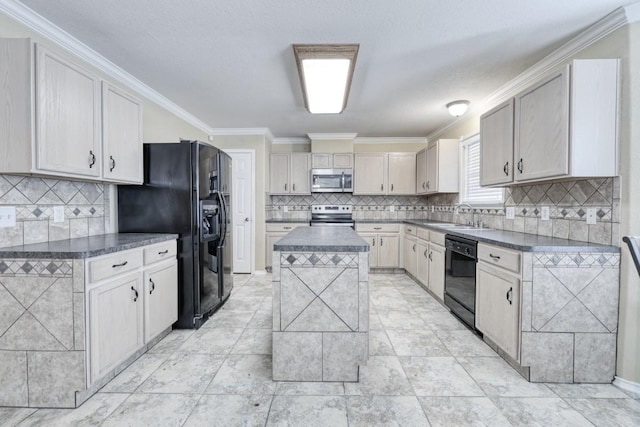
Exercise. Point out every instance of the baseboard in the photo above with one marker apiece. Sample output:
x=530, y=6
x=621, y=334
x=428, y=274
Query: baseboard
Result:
x=627, y=385
x=259, y=272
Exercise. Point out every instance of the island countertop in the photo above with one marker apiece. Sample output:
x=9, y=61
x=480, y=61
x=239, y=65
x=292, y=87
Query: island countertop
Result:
x=85, y=247
x=310, y=239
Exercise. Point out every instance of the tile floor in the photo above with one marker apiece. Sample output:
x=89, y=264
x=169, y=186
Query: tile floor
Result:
x=424, y=369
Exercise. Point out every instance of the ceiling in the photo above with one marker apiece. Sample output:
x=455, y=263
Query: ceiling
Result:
x=230, y=63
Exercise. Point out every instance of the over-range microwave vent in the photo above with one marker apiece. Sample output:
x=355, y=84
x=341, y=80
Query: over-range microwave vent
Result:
x=332, y=180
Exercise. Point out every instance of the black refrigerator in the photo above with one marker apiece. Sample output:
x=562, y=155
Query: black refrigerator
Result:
x=187, y=191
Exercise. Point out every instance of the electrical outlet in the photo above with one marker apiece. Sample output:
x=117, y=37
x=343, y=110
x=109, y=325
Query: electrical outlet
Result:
x=511, y=212
x=285, y=209
x=392, y=208
x=591, y=215
x=544, y=214
x=456, y=210
x=433, y=208
x=7, y=216
x=58, y=213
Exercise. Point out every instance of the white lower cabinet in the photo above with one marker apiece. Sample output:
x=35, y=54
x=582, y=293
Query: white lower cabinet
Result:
x=160, y=292
x=116, y=322
x=384, y=244
x=129, y=303
x=498, y=307
x=422, y=262
x=410, y=255
x=436, y=270
x=275, y=232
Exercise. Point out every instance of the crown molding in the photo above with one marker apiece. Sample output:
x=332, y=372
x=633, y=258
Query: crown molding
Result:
x=390, y=140
x=333, y=136
x=266, y=132
x=600, y=29
x=291, y=141
x=21, y=13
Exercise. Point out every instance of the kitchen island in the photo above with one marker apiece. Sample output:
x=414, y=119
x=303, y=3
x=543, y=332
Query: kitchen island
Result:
x=320, y=305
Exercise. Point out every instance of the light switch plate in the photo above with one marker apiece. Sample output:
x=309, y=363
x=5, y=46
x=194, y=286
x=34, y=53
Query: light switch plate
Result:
x=591, y=215
x=285, y=209
x=392, y=208
x=7, y=216
x=511, y=212
x=58, y=213
x=544, y=214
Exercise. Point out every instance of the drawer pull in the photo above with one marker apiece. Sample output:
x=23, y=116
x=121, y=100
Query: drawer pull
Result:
x=120, y=265
x=287, y=228
x=377, y=228
x=166, y=251
x=509, y=293
x=135, y=298
x=494, y=256
x=153, y=287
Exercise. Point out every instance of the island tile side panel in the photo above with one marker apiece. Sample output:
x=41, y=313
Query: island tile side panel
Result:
x=41, y=333
x=318, y=299
x=569, y=316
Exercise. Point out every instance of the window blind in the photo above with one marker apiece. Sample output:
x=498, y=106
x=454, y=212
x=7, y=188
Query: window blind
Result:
x=473, y=193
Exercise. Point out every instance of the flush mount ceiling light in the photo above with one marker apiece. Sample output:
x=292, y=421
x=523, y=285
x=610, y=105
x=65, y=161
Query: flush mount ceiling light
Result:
x=458, y=108
x=325, y=72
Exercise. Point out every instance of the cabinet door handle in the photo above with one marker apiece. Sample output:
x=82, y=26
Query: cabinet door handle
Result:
x=494, y=256
x=381, y=187
x=430, y=257
x=509, y=293
x=506, y=169
x=424, y=185
x=428, y=182
x=414, y=247
x=166, y=251
x=520, y=166
x=425, y=254
x=113, y=163
x=391, y=187
x=294, y=187
x=153, y=286
x=373, y=241
x=381, y=241
x=285, y=187
x=122, y=264
x=92, y=159
x=135, y=291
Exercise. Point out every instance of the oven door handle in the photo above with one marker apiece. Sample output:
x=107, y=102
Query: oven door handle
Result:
x=342, y=182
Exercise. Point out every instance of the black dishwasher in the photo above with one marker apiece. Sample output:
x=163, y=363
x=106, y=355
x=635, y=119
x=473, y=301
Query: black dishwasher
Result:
x=460, y=278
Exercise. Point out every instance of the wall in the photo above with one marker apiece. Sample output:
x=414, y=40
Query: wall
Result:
x=89, y=207
x=86, y=209
x=262, y=147
x=625, y=197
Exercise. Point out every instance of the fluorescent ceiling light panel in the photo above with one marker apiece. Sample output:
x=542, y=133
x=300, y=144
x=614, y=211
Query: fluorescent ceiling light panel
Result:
x=325, y=75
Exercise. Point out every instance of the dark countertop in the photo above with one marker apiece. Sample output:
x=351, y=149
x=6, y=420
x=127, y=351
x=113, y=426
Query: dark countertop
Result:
x=285, y=221
x=85, y=247
x=322, y=239
x=515, y=240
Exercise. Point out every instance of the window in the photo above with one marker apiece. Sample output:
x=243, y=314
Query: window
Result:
x=470, y=190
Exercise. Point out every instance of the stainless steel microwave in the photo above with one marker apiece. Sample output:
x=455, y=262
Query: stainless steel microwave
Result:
x=332, y=180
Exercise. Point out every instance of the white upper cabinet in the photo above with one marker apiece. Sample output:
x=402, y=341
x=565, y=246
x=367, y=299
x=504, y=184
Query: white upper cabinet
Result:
x=384, y=173
x=496, y=145
x=67, y=116
x=332, y=161
x=121, y=135
x=51, y=115
x=421, y=172
x=442, y=166
x=370, y=172
x=290, y=173
x=402, y=173
x=564, y=126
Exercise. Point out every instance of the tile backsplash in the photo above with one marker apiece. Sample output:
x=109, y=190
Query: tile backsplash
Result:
x=568, y=202
x=85, y=207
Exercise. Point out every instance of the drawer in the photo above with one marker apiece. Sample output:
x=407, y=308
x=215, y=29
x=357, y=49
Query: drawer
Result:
x=501, y=257
x=378, y=228
x=423, y=234
x=437, y=238
x=284, y=226
x=159, y=252
x=106, y=266
x=411, y=230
